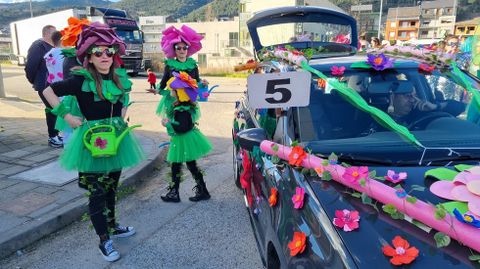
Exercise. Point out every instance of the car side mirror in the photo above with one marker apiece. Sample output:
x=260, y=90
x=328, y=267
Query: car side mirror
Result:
x=249, y=138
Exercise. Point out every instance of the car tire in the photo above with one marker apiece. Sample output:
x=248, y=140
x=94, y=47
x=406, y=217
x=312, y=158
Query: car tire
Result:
x=236, y=168
x=273, y=262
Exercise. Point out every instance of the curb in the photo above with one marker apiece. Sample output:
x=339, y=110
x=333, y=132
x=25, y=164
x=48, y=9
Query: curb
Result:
x=61, y=217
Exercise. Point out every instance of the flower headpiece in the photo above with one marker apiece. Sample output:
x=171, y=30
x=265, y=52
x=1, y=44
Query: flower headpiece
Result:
x=71, y=32
x=172, y=36
x=98, y=34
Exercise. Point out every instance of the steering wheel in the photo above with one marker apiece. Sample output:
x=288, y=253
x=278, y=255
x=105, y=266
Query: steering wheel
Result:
x=423, y=121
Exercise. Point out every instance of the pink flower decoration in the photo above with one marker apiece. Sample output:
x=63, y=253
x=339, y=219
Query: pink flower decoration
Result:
x=50, y=78
x=343, y=39
x=60, y=75
x=298, y=198
x=337, y=71
x=394, y=177
x=346, y=219
x=355, y=173
x=101, y=143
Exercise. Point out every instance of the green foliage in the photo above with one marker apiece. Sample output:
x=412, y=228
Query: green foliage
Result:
x=411, y=199
x=393, y=211
x=442, y=240
x=326, y=176
x=228, y=8
x=440, y=212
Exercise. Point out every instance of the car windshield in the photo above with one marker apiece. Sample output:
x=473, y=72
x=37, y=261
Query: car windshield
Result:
x=130, y=36
x=432, y=106
x=292, y=32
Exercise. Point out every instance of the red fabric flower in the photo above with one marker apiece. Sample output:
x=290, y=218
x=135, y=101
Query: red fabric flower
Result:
x=337, y=71
x=346, y=219
x=272, y=200
x=354, y=173
x=296, y=156
x=249, y=175
x=426, y=68
x=401, y=252
x=298, y=243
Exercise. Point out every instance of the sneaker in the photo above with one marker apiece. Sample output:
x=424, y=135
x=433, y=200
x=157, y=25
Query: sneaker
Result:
x=201, y=193
x=55, y=142
x=108, y=252
x=121, y=231
x=171, y=196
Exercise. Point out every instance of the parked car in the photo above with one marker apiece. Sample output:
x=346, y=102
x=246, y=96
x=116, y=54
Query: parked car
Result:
x=331, y=124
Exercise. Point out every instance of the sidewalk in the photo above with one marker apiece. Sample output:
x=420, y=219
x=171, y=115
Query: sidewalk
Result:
x=36, y=196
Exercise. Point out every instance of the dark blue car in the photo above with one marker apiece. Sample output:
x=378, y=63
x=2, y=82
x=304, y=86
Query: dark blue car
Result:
x=331, y=124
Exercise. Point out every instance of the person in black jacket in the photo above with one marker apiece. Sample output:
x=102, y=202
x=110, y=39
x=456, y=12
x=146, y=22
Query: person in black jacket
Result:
x=36, y=72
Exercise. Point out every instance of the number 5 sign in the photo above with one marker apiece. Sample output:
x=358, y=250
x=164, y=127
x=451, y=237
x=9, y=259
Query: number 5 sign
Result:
x=279, y=90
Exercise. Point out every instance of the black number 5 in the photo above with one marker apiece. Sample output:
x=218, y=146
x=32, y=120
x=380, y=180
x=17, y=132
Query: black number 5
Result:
x=286, y=93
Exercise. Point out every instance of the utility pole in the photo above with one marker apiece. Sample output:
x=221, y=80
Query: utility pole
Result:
x=380, y=19
x=31, y=11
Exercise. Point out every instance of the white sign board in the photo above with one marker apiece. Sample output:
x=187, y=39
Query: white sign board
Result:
x=279, y=90
x=362, y=8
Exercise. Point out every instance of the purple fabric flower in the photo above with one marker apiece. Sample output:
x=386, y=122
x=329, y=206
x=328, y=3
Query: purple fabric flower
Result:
x=184, y=81
x=379, y=62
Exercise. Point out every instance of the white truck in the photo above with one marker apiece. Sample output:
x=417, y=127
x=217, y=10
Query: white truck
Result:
x=25, y=32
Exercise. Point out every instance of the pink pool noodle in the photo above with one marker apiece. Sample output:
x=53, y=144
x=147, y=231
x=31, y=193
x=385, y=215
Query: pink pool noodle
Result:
x=421, y=211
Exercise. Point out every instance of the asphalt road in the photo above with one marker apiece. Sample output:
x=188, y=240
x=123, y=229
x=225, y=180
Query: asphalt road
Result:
x=209, y=234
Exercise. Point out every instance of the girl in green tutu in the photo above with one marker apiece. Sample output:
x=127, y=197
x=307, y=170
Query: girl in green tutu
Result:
x=101, y=145
x=180, y=111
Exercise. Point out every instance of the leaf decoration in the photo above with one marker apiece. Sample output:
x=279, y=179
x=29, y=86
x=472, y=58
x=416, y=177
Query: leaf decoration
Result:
x=441, y=173
x=442, y=240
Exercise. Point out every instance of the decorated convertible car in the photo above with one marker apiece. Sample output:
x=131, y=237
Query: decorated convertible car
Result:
x=351, y=160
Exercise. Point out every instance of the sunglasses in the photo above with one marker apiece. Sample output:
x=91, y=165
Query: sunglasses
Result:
x=181, y=47
x=98, y=52
x=452, y=43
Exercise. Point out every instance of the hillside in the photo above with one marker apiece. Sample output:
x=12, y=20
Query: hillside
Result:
x=217, y=8
x=19, y=11
x=174, y=8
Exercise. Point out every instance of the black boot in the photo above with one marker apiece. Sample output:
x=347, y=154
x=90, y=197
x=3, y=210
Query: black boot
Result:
x=201, y=193
x=171, y=196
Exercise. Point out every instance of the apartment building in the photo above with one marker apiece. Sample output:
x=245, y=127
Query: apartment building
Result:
x=402, y=23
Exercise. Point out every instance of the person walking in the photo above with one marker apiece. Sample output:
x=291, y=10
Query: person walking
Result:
x=101, y=145
x=37, y=74
x=152, y=78
x=180, y=110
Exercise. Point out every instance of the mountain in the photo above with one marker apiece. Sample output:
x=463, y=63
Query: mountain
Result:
x=215, y=9
x=173, y=8
x=20, y=11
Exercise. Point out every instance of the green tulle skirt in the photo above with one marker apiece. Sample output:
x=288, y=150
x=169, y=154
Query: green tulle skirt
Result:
x=71, y=104
x=187, y=147
x=77, y=157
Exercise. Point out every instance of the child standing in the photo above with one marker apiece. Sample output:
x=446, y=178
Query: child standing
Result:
x=152, y=79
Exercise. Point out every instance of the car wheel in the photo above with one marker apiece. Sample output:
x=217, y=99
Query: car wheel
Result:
x=236, y=168
x=273, y=262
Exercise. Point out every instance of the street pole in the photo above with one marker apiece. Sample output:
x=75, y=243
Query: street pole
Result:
x=31, y=11
x=380, y=19
x=2, y=90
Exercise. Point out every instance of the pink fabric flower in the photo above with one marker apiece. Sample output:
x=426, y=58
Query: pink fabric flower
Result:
x=394, y=177
x=346, y=219
x=298, y=198
x=101, y=143
x=337, y=71
x=50, y=78
x=172, y=36
x=355, y=173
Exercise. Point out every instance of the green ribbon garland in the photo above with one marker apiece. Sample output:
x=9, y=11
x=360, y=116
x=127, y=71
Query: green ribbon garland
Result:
x=356, y=100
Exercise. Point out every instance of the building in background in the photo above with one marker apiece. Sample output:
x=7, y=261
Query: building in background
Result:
x=221, y=48
x=249, y=7
x=367, y=19
x=467, y=28
x=402, y=23
x=437, y=19
x=152, y=27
